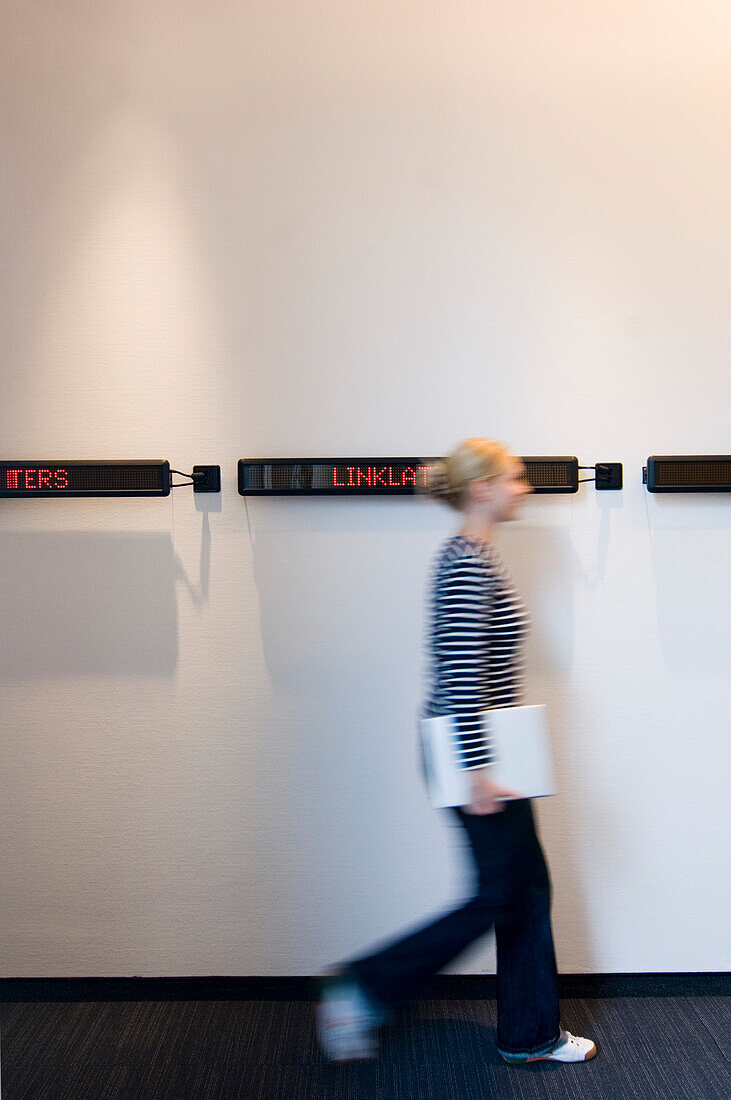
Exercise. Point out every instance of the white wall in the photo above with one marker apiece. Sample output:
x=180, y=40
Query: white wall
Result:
x=355, y=229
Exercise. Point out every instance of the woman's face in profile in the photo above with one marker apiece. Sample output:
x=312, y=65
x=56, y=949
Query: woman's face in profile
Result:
x=510, y=487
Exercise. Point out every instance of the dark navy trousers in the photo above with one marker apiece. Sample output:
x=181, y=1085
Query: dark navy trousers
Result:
x=513, y=895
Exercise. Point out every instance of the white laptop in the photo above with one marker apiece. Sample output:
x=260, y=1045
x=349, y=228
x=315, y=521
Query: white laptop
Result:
x=522, y=755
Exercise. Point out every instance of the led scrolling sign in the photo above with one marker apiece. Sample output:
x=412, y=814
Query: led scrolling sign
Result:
x=333, y=476
x=377, y=476
x=84, y=479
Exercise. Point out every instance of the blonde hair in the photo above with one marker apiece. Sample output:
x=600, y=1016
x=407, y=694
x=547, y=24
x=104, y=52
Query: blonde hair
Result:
x=447, y=479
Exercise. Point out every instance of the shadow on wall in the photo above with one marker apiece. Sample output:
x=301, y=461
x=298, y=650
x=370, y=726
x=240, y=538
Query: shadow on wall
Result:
x=79, y=603
x=340, y=587
x=692, y=571
x=341, y=600
x=543, y=563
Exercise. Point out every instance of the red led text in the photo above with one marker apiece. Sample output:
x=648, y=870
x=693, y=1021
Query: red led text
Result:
x=43, y=480
x=379, y=477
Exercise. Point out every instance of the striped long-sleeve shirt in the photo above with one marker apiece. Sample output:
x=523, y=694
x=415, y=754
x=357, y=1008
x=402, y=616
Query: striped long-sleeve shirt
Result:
x=477, y=627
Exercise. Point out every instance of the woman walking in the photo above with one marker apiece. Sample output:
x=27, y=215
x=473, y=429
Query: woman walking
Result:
x=478, y=625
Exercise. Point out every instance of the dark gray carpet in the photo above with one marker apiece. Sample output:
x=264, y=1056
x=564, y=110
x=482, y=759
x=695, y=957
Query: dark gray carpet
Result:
x=649, y=1047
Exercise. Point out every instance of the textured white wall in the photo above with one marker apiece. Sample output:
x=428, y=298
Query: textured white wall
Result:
x=336, y=228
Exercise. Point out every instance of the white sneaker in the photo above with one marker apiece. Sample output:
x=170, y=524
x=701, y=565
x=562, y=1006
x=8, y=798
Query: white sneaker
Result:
x=569, y=1048
x=347, y=1021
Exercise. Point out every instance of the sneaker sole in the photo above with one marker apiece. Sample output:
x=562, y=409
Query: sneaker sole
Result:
x=591, y=1053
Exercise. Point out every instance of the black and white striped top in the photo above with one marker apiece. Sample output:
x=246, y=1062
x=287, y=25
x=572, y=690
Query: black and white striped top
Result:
x=476, y=629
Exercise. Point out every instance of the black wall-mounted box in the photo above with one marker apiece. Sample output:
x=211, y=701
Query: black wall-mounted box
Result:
x=688, y=474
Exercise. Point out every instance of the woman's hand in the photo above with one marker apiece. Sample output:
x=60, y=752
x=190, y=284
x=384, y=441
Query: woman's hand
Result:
x=486, y=795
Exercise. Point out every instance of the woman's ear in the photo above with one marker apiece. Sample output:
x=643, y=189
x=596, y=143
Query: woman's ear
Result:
x=481, y=489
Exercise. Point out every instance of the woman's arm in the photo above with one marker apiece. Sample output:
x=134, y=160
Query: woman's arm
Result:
x=463, y=606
